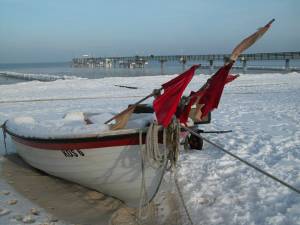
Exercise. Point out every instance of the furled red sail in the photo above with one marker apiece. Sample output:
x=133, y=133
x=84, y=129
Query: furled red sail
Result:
x=166, y=104
x=213, y=92
x=194, y=98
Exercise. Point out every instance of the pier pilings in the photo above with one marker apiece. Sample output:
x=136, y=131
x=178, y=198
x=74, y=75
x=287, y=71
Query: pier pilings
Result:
x=287, y=64
x=162, y=61
x=141, y=61
x=244, y=65
x=183, y=61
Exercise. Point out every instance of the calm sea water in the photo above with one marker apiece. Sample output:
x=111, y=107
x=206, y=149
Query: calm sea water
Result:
x=153, y=68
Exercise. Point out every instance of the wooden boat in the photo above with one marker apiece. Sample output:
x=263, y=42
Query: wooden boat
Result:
x=109, y=162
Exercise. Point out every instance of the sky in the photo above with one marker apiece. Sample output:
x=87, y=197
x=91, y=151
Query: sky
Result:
x=59, y=30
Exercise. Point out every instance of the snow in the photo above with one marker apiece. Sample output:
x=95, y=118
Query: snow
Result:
x=71, y=125
x=263, y=110
x=140, y=120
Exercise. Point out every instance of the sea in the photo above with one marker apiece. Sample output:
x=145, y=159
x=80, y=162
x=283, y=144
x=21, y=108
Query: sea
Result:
x=23, y=72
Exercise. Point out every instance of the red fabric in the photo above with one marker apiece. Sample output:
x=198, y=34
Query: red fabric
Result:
x=166, y=104
x=230, y=78
x=194, y=96
x=213, y=92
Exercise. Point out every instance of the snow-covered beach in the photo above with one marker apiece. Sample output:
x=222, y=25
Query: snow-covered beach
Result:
x=263, y=110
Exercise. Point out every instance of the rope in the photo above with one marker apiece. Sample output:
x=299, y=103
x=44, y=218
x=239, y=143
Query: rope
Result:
x=154, y=156
x=143, y=190
x=181, y=198
x=244, y=161
x=150, y=149
x=173, y=131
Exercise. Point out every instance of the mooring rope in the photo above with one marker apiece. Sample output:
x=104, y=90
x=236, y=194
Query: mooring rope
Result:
x=243, y=161
x=143, y=190
x=152, y=155
x=181, y=198
x=173, y=137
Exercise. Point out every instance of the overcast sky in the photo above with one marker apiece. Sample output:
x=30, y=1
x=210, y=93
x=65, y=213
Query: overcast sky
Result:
x=58, y=30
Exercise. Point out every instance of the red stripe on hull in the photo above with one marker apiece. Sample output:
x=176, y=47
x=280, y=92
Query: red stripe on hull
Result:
x=69, y=144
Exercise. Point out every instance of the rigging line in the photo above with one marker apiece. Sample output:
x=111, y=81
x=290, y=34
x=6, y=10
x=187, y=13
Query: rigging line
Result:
x=67, y=99
x=244, y=161
x=182, y=199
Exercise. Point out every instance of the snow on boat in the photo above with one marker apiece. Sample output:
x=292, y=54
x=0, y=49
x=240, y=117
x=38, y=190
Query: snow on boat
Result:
x=107, y=161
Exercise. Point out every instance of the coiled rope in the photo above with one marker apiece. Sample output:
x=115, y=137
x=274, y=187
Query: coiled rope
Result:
x=150, y=153
x=155, y=157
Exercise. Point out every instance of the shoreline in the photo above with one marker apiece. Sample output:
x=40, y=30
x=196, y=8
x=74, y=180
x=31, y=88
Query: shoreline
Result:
x=65, y=203
x=261, y=110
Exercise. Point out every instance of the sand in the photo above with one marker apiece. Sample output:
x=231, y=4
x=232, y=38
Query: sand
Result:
x=50, y=200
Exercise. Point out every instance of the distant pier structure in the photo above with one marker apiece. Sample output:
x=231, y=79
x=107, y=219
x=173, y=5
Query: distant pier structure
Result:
x=141, y=61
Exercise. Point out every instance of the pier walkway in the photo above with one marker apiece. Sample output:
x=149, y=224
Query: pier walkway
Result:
x=140, y=61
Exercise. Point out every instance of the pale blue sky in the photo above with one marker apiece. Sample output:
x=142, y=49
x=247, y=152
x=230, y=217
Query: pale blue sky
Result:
x=58, y=30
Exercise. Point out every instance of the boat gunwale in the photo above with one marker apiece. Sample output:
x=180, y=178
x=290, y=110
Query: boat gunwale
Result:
x=81, y=138
x=104, y=136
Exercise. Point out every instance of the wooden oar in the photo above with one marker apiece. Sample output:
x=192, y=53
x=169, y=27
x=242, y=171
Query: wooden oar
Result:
x=134, y=105
x=155, y=92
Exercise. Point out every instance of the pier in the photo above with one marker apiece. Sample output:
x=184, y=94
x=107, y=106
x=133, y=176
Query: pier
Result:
x=141, y=61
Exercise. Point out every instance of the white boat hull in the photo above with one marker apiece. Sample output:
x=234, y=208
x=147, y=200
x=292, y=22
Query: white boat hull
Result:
x=112, y=170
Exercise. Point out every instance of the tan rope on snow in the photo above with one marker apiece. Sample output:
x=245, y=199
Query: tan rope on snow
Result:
x=181, y=198
x=145, y=208
x=152, y=155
